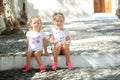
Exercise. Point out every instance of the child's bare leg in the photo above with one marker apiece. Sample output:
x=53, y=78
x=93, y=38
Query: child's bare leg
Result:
x=28, y=60
x=67, y=52
x=28, y=57
x=56, y=52
x=37, y=56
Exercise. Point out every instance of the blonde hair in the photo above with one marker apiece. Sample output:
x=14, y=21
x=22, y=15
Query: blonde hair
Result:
x=57, y=14
x=30, y=21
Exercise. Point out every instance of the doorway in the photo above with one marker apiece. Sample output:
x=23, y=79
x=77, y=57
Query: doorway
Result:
x=102, y=6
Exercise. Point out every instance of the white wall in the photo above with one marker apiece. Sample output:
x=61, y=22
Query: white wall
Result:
x=114, y=6
x=18, y=6
x=72, y=9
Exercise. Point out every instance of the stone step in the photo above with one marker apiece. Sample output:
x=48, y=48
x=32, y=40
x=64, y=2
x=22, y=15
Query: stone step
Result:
x=96, y=61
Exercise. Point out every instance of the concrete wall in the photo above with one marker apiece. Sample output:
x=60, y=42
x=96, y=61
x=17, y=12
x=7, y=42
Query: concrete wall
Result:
x=72, y=9
x=114, y=6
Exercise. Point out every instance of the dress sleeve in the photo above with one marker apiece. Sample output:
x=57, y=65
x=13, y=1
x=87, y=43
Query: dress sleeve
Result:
x=43, y=34
x=27, y=34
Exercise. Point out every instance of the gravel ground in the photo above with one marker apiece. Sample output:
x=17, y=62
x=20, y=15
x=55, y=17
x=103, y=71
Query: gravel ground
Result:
x=111, y=73
x=12, y=44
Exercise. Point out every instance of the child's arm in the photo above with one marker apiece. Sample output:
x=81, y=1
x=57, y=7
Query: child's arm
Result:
x=52, y=41
x=45, y=46
x=68, y=40
x=27, y=41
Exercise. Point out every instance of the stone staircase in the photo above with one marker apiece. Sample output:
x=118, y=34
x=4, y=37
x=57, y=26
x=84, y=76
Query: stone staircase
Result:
x=93, y=44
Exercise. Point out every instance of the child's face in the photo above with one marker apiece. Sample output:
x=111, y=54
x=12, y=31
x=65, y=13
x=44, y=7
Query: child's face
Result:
x=59, y=21
x=36, y=24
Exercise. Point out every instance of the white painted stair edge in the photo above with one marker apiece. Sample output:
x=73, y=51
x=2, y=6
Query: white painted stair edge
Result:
x=106, y=60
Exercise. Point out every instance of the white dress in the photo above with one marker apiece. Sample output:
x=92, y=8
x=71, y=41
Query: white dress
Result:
x=59, y=35
x=35, y=40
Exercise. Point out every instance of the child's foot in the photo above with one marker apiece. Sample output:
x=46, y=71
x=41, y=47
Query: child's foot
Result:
x=54, y=66
x=70, y=66
x=26, y=68
x=42, y=68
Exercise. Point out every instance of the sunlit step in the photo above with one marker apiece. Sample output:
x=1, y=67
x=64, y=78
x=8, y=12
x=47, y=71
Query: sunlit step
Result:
x=106, y=60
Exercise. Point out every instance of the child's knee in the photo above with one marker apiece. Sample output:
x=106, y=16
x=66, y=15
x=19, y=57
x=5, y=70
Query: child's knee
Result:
x=57, y=46
x=28, y=53
x=66, y=47
x=38, y=52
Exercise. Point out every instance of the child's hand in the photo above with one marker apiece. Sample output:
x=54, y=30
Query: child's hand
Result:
x=67, y=42
x=55, y=42
x=60, y=43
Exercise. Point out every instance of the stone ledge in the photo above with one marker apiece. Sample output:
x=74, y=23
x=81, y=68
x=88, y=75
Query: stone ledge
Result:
x=106, y=60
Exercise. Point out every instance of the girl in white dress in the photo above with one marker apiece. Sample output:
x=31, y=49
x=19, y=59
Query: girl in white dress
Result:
x=60, y=39
x=35, y=43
